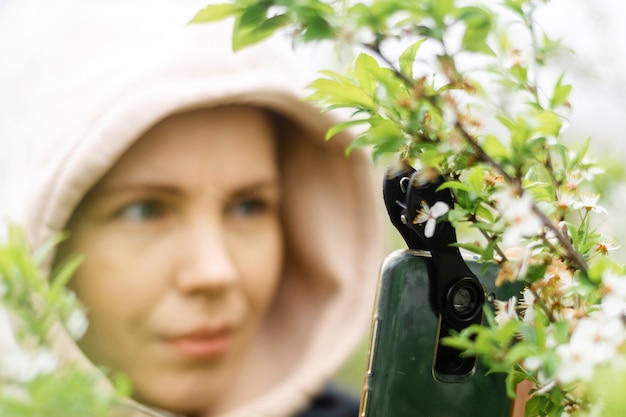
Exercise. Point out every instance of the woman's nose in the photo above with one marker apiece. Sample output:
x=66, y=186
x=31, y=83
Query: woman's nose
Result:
x=206, y=261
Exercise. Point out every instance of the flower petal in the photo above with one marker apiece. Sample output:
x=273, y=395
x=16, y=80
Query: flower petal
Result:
x=439, y=209
x=429, y=229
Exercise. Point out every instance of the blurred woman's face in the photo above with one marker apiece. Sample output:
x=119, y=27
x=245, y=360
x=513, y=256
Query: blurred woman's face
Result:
x=183, y=252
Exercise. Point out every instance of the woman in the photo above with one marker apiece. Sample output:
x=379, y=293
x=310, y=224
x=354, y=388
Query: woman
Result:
x=230, y=252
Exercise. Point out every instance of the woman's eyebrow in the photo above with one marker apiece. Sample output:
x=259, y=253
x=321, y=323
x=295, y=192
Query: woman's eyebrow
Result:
x=266, y=186
x=117, y=191
x=264, y=183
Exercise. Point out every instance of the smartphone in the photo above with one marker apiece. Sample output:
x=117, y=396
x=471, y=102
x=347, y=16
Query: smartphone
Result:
x=409, y=373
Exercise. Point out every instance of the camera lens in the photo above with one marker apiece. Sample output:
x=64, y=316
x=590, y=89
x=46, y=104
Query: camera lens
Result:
x=465, y=299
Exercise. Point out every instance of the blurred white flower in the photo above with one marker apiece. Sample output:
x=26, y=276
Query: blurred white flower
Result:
x=533, y=363
x=429, y=215
x=591, y=172
x=76, y=324
x=614, y=284
x=564, y=278
x=516, y=265
x=545, y=388
x=528, y=305
x=16, y=363
x=576, y=365
x=573, y=180
x=506, y=310
x=594, y=341
x=588, y=202
x=565, y=200
x=590, y=169
x=517, y=212
x=607, y=245
x=613, y=303
x=24, y=366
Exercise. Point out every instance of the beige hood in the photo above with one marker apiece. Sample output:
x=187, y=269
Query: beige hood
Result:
x=81, y=80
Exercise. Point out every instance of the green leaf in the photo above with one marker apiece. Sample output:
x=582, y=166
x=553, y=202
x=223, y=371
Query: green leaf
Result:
x=561, y=331
x=533, y=408
x=506, y=122
x=483, y=212
x=384, y=129
x=407, y=58
x=386, y=137
x=439, y=9
x=560, y=94
x=599, y=266
x=548, y=123
x=520, y=74
x=253, y=16
x=542, y=193
x=253, y=26
x=516, y=6
x=519, y=136
x=340, y=94
x=340, y=127
x=365, y=69
x=455, y=185
x=457, y=342
x=214, y=13
x=471, y=247
x=317, y=28
x=512, y=379
x=122, y=383
x=478, y=27
x=476, y=179
x=48, y=246
x=61, y=278
x=493, y=147
x=580, y=155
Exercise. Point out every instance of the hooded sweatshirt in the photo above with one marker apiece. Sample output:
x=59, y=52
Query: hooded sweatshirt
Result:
x=80, y=81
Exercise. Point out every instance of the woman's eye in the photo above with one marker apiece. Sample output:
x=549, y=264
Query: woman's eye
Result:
x=141, y=211
x=250, y=207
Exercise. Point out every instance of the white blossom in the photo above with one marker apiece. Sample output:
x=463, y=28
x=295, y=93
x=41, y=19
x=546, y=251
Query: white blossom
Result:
x=590, y=170
x=17, y=363
x=613, y=303
x=533, y=363
x=573, y=180
x=429, y=215
x=590, y=173
x=545, y=388
x=24, y=366
x=567, y=282
x=517, y=212
x=588, y=202
x=565, y=200
x=614, y=284
x=607, y=245
x=595, y=340
x=76, y=324
x=528, y=305
x=506, y=310
x=575, y=364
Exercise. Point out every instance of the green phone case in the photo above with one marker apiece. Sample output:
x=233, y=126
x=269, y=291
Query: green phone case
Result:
x=401, y=380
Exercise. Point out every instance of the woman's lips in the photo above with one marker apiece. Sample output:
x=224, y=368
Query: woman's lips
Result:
x=202, y=344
